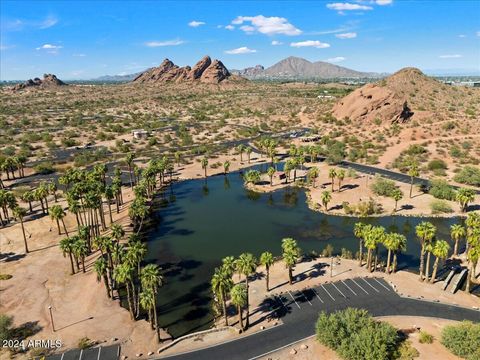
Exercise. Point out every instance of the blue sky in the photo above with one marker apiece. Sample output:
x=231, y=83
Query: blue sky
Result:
x=86, y=39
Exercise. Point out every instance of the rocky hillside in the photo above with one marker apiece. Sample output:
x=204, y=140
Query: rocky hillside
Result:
x=204, y=71
x=48, y=81
x=250, y=72
x=398, y=98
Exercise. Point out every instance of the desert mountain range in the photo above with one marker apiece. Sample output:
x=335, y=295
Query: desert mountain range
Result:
x=205, y=71
x=48, y=81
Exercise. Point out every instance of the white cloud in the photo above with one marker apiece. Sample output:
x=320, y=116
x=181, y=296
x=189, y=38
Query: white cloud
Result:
x=164, y=43
x=240, y=50
x=230, y=27
x=383, y=2
x=48, y=22
x=310, y=43
x=267, y=25
x=348, y=6
x=195, y=23
x=335, y=59
x=276, y=43
x=350, y=35
x=49, y=47
x=462, y=36
x=247, y=28
x=450, y=56
x=79, y=55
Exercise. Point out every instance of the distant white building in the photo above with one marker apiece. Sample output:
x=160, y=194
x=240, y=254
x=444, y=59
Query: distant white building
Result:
x=140, y=134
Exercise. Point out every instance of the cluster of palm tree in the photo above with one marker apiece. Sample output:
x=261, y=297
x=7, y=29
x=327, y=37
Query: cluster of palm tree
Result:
x=464, y=196
x=241, y=149
x=10, y=164
x=371, y=237
x=269, y=147
x=246, y=264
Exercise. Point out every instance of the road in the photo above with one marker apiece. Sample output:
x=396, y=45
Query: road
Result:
x=299, y=311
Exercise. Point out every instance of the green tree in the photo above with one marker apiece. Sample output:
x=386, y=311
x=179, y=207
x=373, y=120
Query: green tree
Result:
x=123, y=275
x=413, y=173
x=457, y=232
x=465, y=196
x=204, y=163
x=226, y=167
x=221, y=284
x=397, y=195
x=247, y=265
x=270, y=172
x=425, y=232
x=312, y=175
x=326, y=197
x=100, y=267
x=340, y=177
x=57, y=213
x=332, y=174
x=440, y=251
x=291, y=254
x=266, y=259
x=19, y=213
x=66, y=245
x=239, y=296
x=151, y=280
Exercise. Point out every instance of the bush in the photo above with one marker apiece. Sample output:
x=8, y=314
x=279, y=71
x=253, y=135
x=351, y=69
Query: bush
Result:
x=469, y=175
x=84, y=343
x=407, y=352
x=328, y=251
x=44, y=168
x=441, y=190
x=5, y=327
x=463, y=340
x=425, y=338
x=354, y=334
x=437, y=164
x=440, y=207
x=383, y=187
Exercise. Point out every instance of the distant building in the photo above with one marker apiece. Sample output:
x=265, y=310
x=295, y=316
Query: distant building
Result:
x=140, y=134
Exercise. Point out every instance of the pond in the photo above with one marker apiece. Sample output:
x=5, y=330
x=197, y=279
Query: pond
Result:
x=204, y=221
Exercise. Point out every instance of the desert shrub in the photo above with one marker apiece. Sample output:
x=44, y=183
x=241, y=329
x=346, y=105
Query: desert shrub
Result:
x=463, y=340
x=415, y=149
x=362, y=208
x=437, y=164
x=425, y=338
x=335, y=152
x=84, y=343
x=346, y=254
x=440, y=207
x=5, y=327
x=44, y=168
x=4, y=277
x=354, y=334
x=406, y=351
x=469, y=175
x=440, y=189
x=328, y=251
x=382, y=186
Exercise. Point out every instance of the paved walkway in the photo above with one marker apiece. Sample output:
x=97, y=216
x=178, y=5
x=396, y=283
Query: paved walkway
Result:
x=299, y=311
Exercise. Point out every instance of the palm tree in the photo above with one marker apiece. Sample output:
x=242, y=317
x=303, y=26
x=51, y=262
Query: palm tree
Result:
x=248, y=150
x=399, y=245
x=291, y=253
x=341, y=177
x=151, y=280
x=465, y=196
x=204, y=163
x=239, y=296
x=129, y=160
x=246, y=265
x=359, y=230
x=440, y=251
x=425, y=232
x=57, y=213
x=373, y=237
x=80, y=250
x=270, y=173
x=226, y=167
x=326, y=197
x=394, y=242
x=252, y=177
x=100, y=267
x=109, y=196
x=221, y=284
x=241, y=150
x=312, y=175
x=19, y=213
x=332, y=173
x=457, y=231
x=123, y=275
x=66, y=245
x=266, y=259
x=229, y=265
x=412, y=172
x=147, y=302
x=397, y=195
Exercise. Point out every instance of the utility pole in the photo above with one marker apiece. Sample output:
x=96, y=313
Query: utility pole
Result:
x=51, y=317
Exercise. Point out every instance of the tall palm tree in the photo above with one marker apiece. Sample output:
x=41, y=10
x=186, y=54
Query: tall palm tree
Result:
x=226, y=167
x=57, y=213
x=129, y=159
x=440, y=251
x=397, y=195
x=80, y=250
x=465, y=196
x=332, y=173
x=413, y=173
x=100, y=267
x=151, y=280
x=457, y=232
x=66, y=245
x=312, y=175
x=123, y=275
x=340, y=177
x=204, y=163
x=239, y=296
x=400, y=244
x=19, y=213
x=291, y=254
x=270, y=172
x=221, y=285
x=229, y=265
x=326, y=196
x=241, y=150
x=266, y=259
x=248, y=150
x=246, y=265
x=147, y=302
x=425, y=231
x=359, y=230
x=373, y=237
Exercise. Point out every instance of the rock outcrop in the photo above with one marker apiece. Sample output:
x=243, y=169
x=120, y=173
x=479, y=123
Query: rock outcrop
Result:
x=49, y=81
x=205, y=71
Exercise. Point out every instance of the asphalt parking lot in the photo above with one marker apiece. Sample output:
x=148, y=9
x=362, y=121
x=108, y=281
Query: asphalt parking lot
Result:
x=97, y=353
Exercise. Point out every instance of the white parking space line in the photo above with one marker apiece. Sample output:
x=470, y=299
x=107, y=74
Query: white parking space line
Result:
x=366, y=292
x=305, y=296
x=381, y=284
x=293, y=299
x=319, y=298
x=339, y=290
x=323, y=287
x=99, y=351
x=62, y=356
x=81, y=353
x=281, y=301
x=369, y=284
x=354, y=293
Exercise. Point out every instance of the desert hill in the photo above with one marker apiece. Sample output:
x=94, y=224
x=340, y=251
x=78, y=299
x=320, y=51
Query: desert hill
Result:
x=398, y=98
x=48, y=81
x=204, y=71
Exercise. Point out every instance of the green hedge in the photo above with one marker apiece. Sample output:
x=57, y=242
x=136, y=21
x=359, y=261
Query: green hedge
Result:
x=463, y=340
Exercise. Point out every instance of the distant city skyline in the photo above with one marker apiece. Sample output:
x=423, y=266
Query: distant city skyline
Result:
x=88, y=39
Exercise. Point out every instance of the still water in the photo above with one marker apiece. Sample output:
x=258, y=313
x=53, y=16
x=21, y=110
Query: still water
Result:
x=202, y=222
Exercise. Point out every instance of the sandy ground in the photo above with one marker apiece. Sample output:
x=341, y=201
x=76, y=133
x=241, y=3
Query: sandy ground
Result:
x=310, y=349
